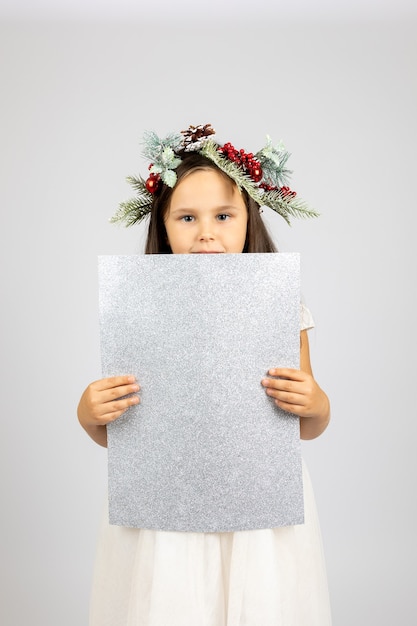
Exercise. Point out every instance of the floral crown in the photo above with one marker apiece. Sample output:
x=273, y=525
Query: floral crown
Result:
x=262, y=175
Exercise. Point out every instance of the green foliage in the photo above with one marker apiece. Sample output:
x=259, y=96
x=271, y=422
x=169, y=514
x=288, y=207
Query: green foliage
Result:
x=135, y=209
x=273, y=160
x=163, y=154
x=286, y=206
x=153, y=146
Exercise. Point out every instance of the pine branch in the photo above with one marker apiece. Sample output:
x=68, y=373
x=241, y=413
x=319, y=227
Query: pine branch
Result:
x=273, y=175
x=134, y=210
x=242, y=180
x=273, y=160
x=137, y=183
x=131, y=212
x=287, y=206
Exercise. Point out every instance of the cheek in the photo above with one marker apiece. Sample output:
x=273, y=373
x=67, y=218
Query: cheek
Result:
x=175, y=237
x=239, y=237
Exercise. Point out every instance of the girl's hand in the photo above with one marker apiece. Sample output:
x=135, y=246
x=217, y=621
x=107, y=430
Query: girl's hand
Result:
x=297, y=391
x=103, y=402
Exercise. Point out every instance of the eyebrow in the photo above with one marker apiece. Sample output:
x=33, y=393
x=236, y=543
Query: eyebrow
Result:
x=226, y=207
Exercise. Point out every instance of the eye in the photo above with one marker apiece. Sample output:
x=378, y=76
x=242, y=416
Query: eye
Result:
x=222, y=217
x=187, y=218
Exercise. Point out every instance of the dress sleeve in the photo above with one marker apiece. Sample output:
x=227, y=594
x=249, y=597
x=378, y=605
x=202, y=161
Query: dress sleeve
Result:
x=307, y=321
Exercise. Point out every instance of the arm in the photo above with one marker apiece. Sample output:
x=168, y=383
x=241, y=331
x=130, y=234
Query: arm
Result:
x=297, y=391
x=103, y=402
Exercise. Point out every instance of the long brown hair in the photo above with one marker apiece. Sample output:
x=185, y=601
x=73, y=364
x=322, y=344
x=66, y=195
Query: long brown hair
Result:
x=257, y=236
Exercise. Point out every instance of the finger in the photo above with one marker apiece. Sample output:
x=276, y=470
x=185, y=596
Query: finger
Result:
x=115, y=409
x=120, y=405
x=296, y=409
x=287, y=372
x=110, y=417
x=285, y=397
x=113, y=381
x=115, y=393
x=281, y=384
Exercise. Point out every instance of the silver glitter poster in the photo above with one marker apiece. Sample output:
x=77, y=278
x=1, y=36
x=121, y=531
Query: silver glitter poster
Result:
x=206, y=450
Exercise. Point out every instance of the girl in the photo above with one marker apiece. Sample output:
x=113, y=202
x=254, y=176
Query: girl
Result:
x=205, y=199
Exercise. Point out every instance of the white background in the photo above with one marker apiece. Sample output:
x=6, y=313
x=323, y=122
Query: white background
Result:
x=338, y=85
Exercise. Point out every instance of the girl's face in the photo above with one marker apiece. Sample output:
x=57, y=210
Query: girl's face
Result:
x=207, y=214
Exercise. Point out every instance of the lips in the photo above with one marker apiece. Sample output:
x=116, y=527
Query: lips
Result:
x=207, y=252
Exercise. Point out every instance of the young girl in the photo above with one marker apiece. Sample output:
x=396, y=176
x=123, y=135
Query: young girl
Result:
x=205, y=199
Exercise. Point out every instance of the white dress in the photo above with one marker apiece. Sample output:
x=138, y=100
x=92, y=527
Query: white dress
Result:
x=271, y=577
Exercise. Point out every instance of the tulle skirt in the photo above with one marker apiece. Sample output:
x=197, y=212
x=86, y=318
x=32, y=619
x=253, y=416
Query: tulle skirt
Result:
x=273, y=577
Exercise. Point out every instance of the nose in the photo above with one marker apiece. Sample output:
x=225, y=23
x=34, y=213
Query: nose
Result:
x=206, y=232
x=206, y=236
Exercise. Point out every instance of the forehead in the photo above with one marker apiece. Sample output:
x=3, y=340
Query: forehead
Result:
x=205, y=186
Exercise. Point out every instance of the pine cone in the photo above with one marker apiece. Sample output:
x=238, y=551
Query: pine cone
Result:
x=195, y=135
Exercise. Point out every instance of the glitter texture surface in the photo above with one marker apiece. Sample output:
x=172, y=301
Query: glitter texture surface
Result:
x=206, y=450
